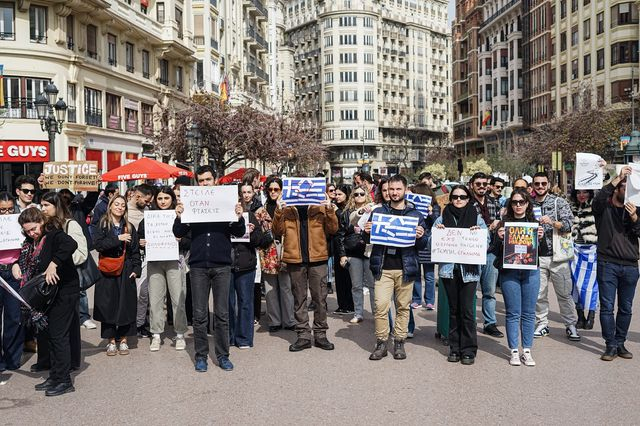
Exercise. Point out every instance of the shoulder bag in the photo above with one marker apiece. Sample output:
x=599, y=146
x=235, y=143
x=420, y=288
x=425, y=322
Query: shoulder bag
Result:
x=562, y=242
x=113, y=266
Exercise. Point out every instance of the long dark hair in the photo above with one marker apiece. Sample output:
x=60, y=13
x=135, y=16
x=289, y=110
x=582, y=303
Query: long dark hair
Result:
x=466, y=190
x=35, y=215
x=271, y=179
x=378, y=199
x=574, y=196
x=528, y=213
x=169, y=191
x=62, y=211
x=346, y=189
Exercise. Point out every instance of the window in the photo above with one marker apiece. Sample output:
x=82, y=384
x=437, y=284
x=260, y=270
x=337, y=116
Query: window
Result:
x=349, y=134
x=368, y=95
x=71, y=103
x=574, y=69
x=367, y=22
x=93, y=107
x=348, y=77
x=147, y=119
x=504, y=86
x=328, y=116
x=328, y=97
x=6, y=21
x=348, y=95
x=160, y=12
x=368, y=77
x=200, y=74
x=114, y=119
x=328, y=41
x=328, y=135
x=368, y=115
x=70, y=32
x=328, y=78
x=328, y=59
x=563, y=42
x=369, y=134
x=586, y=70
x=624, y=14
x=600, y=60
x=131, y=116
x=487, y=93
x=600, y=95
x=368, y=58
x=553, y=77
x=563, y=73
x=348, y=39
x=620, y=91
x=348, y=58
x=624, y=52
x=179, y=81
x=112, y=48
x=163, y=64
x=328, y=23
x=563, y=9
x=38, y=24
x=586, y=29
x=574, y=5
x=368, y=40
x=179, y=22
x=600, y=23
x=92, y=42
x=129, y=57
x=145, y=63
x=574, y=35
x=347, y=21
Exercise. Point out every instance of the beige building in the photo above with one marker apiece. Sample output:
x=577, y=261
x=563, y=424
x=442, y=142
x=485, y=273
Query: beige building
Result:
x=114, y=64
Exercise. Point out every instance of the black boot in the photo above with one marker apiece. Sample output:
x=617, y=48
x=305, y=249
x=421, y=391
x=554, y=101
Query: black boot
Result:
x=398, y=350
x=589, y=324
x=581, y=319
x=380, y=351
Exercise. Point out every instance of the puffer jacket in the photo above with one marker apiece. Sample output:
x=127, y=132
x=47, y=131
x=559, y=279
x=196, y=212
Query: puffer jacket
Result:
x=584, y=229
x=410, y=267
x=321, y=223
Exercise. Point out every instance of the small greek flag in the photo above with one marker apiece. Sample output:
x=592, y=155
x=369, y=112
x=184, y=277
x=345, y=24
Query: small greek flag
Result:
x=421, y=202
x=303, y=191
x=394, y=231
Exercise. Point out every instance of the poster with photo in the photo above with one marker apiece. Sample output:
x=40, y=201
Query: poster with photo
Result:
x=520, y=245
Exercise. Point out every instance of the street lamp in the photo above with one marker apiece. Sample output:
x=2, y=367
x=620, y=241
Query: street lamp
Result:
x=633, y=147
x=193, y=139
x=50, y=122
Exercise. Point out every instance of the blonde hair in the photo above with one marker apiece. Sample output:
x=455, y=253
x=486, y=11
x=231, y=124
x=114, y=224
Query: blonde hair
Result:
x=106, y=222
x=351, y=202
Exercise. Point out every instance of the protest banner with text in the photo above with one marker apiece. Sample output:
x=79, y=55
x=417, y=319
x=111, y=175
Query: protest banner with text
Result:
x=158, y=232
x=73, y=175
x=209, y=203
x=10, y=232
x=459, y=245
x=520, y=245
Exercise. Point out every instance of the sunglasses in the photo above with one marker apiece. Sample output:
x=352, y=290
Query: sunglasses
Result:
x=540, y=183
x=358, y=194
x=331, y=190
x=481, y=183
x=274, y=189
x=459, y=197
x=518, y=202
x=28, y=191
x=498, y=187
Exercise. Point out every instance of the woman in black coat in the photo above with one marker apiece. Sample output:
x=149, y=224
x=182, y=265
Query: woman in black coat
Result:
x=116, y=299
x=48, y=249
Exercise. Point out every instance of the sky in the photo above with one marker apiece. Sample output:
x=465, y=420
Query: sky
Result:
x=452, y=10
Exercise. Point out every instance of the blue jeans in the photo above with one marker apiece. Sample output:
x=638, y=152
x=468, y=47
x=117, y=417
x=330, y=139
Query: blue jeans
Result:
x=12, y=337
x=622, y=279
x=488, y=280
x=241, y=320
x=84, y=307
x=520, y=288
x=429, y=286
x=361, y=277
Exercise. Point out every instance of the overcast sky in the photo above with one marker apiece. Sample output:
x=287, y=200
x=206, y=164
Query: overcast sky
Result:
x=452, y=10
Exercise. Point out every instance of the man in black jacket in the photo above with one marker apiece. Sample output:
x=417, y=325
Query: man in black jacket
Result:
x=210, y=263
x=618, y=232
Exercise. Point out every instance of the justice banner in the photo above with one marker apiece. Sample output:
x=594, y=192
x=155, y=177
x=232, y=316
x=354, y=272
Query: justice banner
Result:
x=520, y=245
x=73, y=175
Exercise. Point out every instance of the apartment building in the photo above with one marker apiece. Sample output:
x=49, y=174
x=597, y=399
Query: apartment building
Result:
x=115, y=63
x=374, y=76
x=466, y=113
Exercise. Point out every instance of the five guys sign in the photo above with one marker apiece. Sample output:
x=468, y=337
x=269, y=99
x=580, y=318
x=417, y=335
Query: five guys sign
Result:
x=24, y=151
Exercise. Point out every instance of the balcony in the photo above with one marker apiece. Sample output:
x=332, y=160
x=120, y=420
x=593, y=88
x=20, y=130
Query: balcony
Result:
x=252, y=68
x=251, y=33
x=114, y=122
x=198, y=40
x=93, y=117
x=71, y=114
x=256, y=5
x=7, y=36
x=20, y=108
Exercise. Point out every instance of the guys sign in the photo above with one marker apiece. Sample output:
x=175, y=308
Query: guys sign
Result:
x=24, y=151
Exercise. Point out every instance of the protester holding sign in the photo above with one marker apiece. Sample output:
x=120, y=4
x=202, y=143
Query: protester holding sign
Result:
x=394, y=268
x=210, y=263
x=460, y=280
x=163, y=268
x=519, y=286
x=12, y=336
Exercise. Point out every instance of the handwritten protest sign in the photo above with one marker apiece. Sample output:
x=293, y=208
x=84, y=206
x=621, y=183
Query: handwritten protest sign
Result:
x=10, y=232
x=209, y=203
x=158, y=232
x=588, y=171
x=632, y=192
x=459, y=245
x=245, y=237
x=73, y=175
x=520, y=245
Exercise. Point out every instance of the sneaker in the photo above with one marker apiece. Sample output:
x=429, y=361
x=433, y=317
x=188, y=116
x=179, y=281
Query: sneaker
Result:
x=430, y=307
x=541, y=331
x=181, y=345
x=365, y=291
x=112, y=349
x=244, y=347
x=527, y=359
x=89, y=325
x=340, y=311
x=143, y=331
x=415, y=305
x=201, y=365
x=409, y=335
x=515, y=358
x=155, y=344
x=123, y=349
x=355, y=320
x=225, y=364
x=572, y=333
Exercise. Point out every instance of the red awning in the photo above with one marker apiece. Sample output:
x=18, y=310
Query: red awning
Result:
x=236, y=176
x=144, y=168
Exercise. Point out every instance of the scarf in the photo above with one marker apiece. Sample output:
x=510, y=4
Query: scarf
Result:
x=29, y=258
x=464, y=217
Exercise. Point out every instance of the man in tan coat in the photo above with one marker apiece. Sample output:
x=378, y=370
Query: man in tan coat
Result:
x=305, y=231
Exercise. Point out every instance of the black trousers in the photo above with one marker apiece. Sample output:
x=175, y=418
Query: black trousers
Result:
x=463, y=337
x=63, y=317
x=44, y=340
x=343, y=286
x=257, y=300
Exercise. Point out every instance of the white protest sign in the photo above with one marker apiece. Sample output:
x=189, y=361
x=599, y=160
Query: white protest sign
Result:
x=245, y=237
x=459, y=245
x=10, y=232
x=632, y=192
x=588, y=171
x=158, y=232
x=209, y=203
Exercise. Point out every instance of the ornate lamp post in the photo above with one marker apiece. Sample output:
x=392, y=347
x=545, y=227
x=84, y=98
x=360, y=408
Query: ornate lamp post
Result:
x=193, y=137
x=50, y=121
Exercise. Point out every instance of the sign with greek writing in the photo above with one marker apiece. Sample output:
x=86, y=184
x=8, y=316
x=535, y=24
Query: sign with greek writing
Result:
x=459, y=245
x=10, y=232
x=245, y=237
x=72, y=175
x=520, y=245
x=209, y=203
x=158, y=232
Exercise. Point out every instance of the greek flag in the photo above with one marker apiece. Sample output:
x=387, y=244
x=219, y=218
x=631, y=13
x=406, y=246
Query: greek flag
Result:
x=421, y=202
x=394, y=231
x=303, y=191
x=583, y=271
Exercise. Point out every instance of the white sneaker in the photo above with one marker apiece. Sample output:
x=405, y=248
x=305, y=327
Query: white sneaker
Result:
x=155, y=344
x=527, y=359
x=112, y=349
x=365, y=291
x=90, y=325
x=541, y=331
x=515, y=358
x=244, y=347
x=181, y=345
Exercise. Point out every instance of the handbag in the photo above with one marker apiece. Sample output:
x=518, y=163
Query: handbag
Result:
x=353, y=241
x=88, y=273
x=562, y=243
x=38, y=294
x=113, y=266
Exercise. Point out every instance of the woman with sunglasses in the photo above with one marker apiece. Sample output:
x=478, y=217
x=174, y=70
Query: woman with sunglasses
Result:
x=460, y=280
x=351, y=249
x=342, y=278
x=165, y=274
x=115, y=300
x=278, y=296
x=519, y=286
x=49, y=250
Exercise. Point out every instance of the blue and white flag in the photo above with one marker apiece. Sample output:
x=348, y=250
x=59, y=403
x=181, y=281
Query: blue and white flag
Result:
x=584, y=273
x=421, y=202
x=394, y=231
x=303, y=191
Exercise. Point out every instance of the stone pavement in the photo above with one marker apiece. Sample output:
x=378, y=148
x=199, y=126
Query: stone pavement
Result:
x=273, y=386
